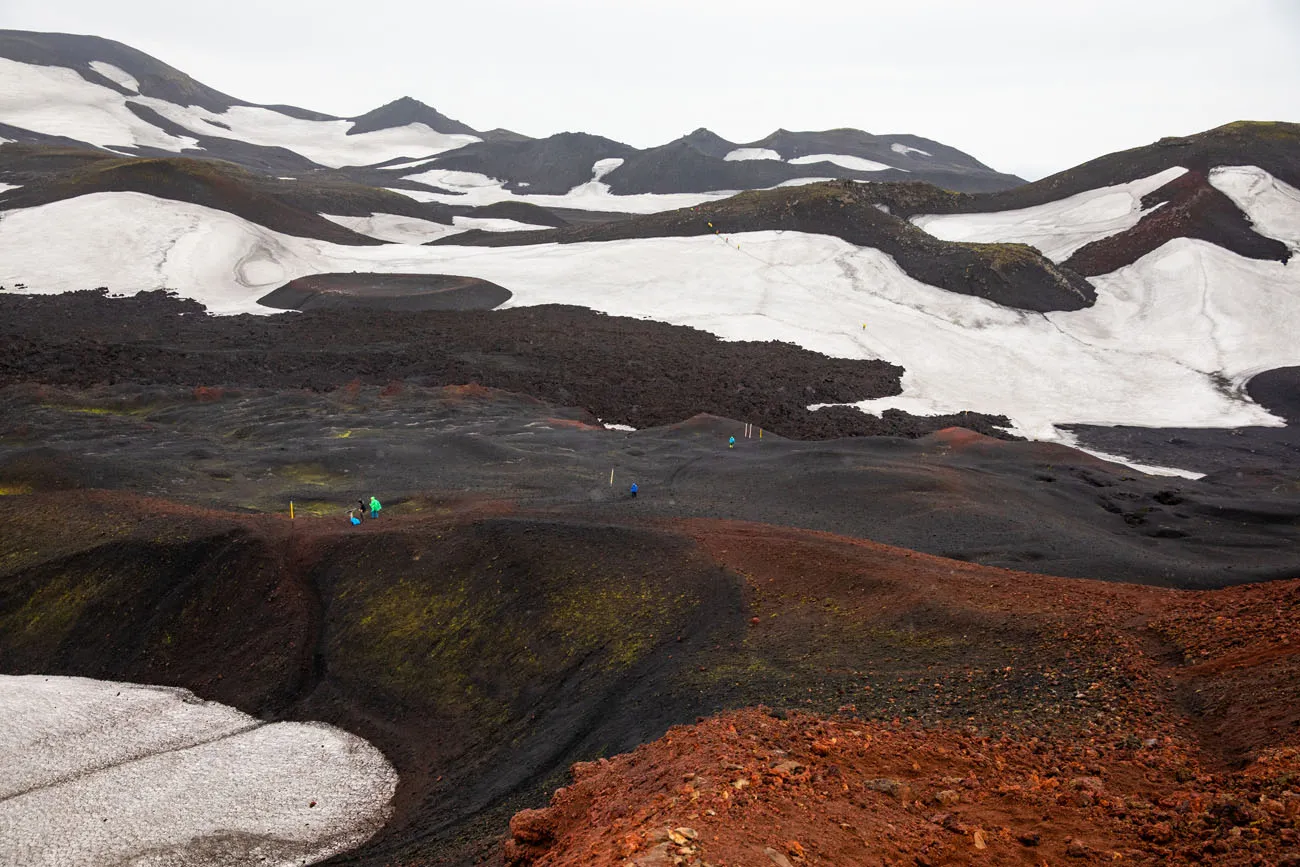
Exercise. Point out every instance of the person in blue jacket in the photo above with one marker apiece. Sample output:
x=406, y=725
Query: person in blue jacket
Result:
x=731, y=443
x=633, y=490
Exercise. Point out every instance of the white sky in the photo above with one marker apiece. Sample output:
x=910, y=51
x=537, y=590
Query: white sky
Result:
x=1027, y=86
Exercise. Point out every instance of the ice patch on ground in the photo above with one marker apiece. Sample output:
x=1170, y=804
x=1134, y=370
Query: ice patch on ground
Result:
x=4, y=188
x=1067, y=438
x=114, y=74
x=395, y=229
x=1167, y=343
x=1059, y=228
x=494, y=224
x=740, y=154
x=848, y=162
x=899, y=148
x=112, y=773
x=58, y=101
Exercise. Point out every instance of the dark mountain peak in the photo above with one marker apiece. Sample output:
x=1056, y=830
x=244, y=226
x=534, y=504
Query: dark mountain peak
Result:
x=707, y=142
x=503, y=134
x=404, y=111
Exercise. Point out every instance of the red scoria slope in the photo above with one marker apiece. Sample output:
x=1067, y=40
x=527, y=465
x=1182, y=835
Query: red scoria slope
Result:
x=1194, y=760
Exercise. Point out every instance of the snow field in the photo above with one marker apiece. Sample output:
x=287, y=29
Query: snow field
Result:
x=1168, y=343
x=57, y=101
x=101, y=772
x=1153, y=351
x=1059, y=228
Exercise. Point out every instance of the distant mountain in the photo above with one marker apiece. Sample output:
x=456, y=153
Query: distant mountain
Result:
x=62, y=89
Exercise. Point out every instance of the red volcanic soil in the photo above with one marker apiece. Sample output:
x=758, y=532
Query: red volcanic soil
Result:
x=1186, y=751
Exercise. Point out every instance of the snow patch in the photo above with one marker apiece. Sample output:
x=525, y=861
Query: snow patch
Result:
x=1273, y=206
x=623, y=427
x=58, y=101
x=899, y=148
x=116, y=75
x=848, y=162
x=4, y=188
x=1069, y=439
x=1058, y=228
x=395, y=228
x=490, y=224
x=803, y=182
x=740, y=154
x=113, y=773
x=604, y=167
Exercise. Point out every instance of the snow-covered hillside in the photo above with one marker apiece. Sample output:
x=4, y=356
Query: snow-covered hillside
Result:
x=56, y=101
x=1168, y=343
x=116, y=773
x=59, y=88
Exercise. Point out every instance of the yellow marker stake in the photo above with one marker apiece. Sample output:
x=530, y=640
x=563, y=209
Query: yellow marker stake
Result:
x=291, y=510
x=611, y=477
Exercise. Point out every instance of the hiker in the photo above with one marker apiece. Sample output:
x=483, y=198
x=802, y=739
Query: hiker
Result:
x=374, y=507
x=633, y=490
x=361, y=508
x=731, y=443
x=353, y=516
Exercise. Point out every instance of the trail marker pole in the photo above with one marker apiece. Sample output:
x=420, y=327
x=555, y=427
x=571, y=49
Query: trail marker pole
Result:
x=611, y=477
x=291, y=510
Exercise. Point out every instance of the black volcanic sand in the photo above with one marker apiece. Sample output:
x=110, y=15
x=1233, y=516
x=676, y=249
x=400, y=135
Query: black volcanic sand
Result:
x=628, y=371
x=1021, y=505
x=1260, y=457
x=386, y=292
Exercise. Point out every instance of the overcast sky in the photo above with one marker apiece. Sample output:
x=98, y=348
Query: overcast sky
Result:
x=1027, y=86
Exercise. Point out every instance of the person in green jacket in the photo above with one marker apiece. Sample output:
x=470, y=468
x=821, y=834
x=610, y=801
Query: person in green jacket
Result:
x=374, y=507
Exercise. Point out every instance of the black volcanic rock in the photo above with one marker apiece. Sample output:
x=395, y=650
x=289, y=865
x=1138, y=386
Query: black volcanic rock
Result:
x=354, y=290
x=553, y=165
x=708, y=142
x=404, y=111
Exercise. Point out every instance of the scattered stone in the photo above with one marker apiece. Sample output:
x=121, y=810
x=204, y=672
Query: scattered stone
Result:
x=789, y=768
x=1030, y=838
x=896, y=788
x=947, y=798
x=1076, y=848
x=777, y=858
x=534, y=827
